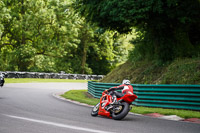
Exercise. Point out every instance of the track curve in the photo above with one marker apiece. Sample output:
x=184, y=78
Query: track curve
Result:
x=31, y=108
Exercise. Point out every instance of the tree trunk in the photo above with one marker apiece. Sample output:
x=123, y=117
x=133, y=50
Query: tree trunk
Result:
x=184, y=47
x=23, y=22
x=84, y=57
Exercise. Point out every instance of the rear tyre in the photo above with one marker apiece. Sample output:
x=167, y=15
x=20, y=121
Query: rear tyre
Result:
x=122, y=111
x=95, y=110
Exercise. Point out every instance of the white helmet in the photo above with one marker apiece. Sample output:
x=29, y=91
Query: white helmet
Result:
x=126, y=82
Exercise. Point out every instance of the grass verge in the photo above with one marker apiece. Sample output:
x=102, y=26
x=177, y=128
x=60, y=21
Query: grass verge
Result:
x=179, y=71
x=35, y=80
x=83, y=97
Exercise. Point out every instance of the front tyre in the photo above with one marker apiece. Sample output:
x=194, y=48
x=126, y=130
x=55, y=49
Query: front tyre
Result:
x=121, y=111
x=95, y=110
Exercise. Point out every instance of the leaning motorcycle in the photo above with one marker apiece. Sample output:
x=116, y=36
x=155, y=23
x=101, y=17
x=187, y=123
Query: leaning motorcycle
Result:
x=116, y=110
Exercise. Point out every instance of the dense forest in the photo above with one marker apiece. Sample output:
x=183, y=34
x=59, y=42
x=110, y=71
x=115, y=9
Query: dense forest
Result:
x=49, y=36
x=166, y=29
x=90, y=36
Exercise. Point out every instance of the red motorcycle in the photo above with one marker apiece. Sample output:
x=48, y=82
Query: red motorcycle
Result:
x=116, y=110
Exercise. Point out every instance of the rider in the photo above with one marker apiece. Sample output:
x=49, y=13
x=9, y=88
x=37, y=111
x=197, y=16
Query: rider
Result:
x=125, y=87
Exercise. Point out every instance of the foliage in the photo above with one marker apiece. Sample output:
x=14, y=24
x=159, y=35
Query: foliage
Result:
x=166, y=29
x=48, y=36
x=179, y=71
x=110, y=50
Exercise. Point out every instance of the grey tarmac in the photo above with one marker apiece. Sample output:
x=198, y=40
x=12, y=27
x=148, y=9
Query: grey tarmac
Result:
x=31, y=108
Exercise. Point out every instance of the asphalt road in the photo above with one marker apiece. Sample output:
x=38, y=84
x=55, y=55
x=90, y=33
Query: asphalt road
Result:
x=31, y=108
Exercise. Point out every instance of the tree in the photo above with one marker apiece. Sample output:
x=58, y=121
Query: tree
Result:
x=37, y=31
x=169, y=28
x=48, y=36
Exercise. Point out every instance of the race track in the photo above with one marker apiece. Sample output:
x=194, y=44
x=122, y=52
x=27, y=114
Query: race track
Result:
x=31, y=108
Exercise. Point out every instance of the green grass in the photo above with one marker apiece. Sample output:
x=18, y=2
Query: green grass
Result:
x=35, y=80
x=180, y=113
x=179, y=71
x=83, y=97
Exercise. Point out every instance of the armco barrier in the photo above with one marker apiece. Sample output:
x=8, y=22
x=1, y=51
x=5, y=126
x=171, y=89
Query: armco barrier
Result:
x=9, y=74
x=164, y=96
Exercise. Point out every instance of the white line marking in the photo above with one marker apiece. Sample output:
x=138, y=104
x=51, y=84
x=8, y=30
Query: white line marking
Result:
x=58, y=124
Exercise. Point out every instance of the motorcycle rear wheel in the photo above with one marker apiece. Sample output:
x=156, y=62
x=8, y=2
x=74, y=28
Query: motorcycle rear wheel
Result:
x=122, y=113
x=95, y=110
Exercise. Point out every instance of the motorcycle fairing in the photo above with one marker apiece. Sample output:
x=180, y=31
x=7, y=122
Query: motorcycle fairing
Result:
x=105, y=100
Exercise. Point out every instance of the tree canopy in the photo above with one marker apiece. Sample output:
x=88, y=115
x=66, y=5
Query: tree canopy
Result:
x=166, y=29
x=49, y=36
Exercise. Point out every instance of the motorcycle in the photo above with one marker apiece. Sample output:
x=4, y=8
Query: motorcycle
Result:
x=2, y=80
x=116, y=110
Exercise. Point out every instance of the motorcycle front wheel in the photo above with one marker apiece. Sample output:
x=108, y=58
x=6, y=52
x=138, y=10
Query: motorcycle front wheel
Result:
x=120, y=111
x=95, y=110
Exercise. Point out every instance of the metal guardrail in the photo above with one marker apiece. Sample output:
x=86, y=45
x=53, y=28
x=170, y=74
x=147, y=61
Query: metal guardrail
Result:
x=164, y=96
x=9, y=74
